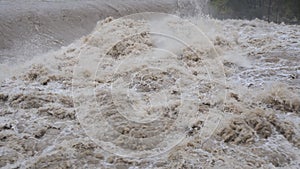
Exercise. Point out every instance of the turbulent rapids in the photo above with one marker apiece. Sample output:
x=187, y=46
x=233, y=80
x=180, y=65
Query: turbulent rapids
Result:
x=153, y=90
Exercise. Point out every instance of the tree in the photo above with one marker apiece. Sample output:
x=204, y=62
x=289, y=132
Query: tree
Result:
x=271, y=10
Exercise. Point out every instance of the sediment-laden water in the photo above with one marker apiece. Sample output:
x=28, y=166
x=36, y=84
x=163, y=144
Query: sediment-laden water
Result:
x=157, y=91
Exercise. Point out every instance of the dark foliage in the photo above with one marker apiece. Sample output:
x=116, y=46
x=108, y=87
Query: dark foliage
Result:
x=271, y=10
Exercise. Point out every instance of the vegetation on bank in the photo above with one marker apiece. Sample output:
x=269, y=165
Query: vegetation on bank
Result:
x=271, y=10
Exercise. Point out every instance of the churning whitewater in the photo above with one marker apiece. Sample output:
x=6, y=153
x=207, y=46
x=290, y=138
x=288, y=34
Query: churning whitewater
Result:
x=153, y=90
